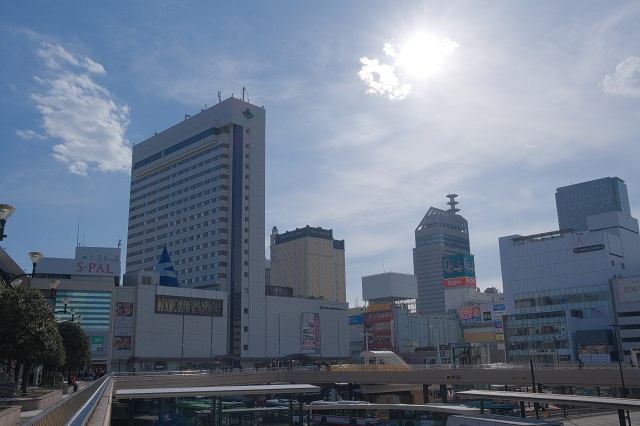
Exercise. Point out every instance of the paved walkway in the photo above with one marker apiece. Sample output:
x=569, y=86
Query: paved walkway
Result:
x=26, y=415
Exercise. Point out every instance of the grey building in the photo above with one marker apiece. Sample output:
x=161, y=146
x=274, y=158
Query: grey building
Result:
x=440, y=233
x=575, y=202
x=198, y=189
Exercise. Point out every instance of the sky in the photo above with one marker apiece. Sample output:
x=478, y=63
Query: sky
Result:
x=376, y=110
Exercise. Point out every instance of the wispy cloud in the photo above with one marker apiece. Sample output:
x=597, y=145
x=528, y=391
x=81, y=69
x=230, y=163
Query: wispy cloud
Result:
x=626, y=80
x=30, y=134
x=419, y=57
x=81, y=113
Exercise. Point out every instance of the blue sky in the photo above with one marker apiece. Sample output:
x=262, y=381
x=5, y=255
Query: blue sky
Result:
x=376, y=111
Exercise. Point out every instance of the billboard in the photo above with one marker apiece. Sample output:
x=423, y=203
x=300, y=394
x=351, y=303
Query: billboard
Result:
x=123, y=328
x=470, y=314
x=459, y=265
x=310, y=335
x=460, y=282
x=628, y=289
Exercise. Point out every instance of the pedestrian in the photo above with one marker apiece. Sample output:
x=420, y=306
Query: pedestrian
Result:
x=580, y=364
x=73, y=382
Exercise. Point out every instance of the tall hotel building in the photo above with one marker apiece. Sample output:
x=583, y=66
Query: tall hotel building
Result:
x=575, y=202
x=440, y=234
x=198, y=189
x=310, y=262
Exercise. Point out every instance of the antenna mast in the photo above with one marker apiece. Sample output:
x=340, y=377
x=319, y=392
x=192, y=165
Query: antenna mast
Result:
x=452, y=203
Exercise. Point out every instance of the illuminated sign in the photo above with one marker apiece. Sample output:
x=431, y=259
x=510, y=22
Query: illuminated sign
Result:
x=379, y=307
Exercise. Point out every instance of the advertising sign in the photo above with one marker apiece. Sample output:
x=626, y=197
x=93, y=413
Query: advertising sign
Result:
x=310, y=333
x=356, y=320
x=499, y=330
x=460, y=282
x=594, y=354
x=123, y=328
x=498, y=309
x=470, y=314
x=459, y=265
x=628, y=289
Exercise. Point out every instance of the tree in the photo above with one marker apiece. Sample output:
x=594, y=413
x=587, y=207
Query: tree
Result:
x=76, y=345
x=28, y=331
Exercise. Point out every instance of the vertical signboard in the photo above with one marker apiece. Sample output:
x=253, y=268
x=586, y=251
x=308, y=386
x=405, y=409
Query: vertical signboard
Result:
x=310, y=333
x=123, y=328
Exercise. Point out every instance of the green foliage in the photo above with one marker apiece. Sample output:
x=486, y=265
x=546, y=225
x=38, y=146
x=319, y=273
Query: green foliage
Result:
x=28, y=331
x=76, y=345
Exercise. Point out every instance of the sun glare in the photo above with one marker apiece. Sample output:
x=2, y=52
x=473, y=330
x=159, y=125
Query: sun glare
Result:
x=423, y=55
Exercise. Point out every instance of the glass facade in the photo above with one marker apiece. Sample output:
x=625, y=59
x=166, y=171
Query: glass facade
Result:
x=575, y=202
x=93, y=306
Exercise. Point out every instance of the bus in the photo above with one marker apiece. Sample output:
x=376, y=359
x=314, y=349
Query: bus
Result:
x=343, y=413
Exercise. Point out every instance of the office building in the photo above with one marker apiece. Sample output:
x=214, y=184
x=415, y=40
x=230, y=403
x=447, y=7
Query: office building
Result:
x=198, y=189
x=309, y=261
x=440, y=234
x=575, y=202
x=558, y=290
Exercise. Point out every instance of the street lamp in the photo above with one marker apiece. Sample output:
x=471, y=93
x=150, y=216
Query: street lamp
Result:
x=5, y=211
x=615, y=337
x=555, y=348
x=13, y=280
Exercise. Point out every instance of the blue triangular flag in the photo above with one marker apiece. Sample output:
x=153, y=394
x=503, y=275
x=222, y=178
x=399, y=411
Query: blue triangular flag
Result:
x=165, y=269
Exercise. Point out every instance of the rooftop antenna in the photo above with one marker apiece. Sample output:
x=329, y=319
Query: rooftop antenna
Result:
x=78, y=234
x=452, y=203
x=219, y=96
x=243, y=90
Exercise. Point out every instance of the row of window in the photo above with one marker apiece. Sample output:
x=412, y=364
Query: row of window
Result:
x=567, y=297
x=179, y=212
x=176, y=174
x=214, y=131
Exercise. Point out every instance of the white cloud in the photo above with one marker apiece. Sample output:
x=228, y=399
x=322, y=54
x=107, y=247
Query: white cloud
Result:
x=381, y=79
x=30, y=134
x=421, y=56
x=81, y=113
x=626, y=80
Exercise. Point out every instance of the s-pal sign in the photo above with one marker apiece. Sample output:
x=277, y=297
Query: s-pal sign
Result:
x=94, y=268
x=49, y=265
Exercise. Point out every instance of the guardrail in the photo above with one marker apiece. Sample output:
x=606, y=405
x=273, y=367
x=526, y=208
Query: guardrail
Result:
x=74, y=409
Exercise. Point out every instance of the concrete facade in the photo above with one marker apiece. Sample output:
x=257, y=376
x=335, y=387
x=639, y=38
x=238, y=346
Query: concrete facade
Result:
x=310, y=261
x=198, y=189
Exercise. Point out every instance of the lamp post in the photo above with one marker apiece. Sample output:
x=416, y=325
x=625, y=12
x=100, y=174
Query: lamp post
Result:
x=555, y=348
x=5, y=211
x=615, y=337
x=13, y=280
x=437, y=330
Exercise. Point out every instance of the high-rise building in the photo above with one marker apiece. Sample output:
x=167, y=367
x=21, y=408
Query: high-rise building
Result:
x=440, y=234
x=309, y=261
x=575, y=202
x=198, y=189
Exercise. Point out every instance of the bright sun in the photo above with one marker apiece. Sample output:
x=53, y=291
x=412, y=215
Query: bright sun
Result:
x=423, y=55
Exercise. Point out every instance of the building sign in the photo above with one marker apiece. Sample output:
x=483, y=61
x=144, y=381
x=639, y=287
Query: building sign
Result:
x=628, y=289
x=379, y=307
x=310, y=335
x=470, y=314
x=356, y=319
x=97, y=343
x=487, y=314
x=123, y=328
x=586, y=249
x=499, y=330
x=459, y=265
x=498, y=309
x=460, y=282
x=78, y=267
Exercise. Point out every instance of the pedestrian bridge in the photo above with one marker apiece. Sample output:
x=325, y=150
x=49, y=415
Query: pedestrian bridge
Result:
x=500, y=375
